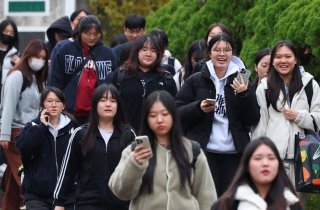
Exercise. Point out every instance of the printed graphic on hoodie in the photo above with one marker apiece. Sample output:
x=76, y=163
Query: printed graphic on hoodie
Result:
x=220, y=105
x=103, y=67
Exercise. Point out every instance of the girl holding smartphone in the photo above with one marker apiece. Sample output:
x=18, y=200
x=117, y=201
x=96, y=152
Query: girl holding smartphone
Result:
x=162, y=177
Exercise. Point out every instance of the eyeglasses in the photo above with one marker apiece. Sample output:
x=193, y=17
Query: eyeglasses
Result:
x=50, y=102
x=218, y=51
x=94, y=36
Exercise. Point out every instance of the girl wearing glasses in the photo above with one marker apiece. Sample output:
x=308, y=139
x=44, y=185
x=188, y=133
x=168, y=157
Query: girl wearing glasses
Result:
x=221, y=127
x=42, y=144
x=79, y=66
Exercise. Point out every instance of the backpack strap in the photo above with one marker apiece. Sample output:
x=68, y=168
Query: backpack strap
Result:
x=171, y=61
x=309, y=92
x=120, y=76
x=195, y=152
x=80, y=67
x=24, y=83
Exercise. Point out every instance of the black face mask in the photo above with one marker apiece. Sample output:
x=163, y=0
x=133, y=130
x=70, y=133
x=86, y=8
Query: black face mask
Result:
x=6, y=39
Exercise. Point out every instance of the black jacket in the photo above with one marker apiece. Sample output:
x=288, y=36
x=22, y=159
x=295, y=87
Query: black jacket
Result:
x=242, y=109
x=94, y=170
x=134, y=90
x=42, y=156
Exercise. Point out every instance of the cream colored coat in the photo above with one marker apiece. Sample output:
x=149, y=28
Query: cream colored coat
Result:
x=281, y=131
x=126, y=180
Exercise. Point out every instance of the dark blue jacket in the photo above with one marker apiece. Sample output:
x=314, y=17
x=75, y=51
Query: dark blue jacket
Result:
x=42, y=156
x=67, y=57
x=94, y=170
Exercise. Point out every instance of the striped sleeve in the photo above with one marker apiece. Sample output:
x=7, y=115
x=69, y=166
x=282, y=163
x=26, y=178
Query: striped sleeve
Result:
x=69, y=168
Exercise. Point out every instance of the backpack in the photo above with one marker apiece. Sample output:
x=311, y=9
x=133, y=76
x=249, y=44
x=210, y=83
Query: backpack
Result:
x=309, y=93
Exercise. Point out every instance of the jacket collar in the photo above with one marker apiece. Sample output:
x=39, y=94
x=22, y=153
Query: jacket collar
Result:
x=249, y=200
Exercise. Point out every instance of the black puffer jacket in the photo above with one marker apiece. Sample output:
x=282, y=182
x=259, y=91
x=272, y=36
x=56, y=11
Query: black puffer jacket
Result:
x=242, y=109
x=42, y=156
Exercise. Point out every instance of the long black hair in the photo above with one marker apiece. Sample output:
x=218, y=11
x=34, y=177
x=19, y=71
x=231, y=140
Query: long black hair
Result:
x=276, y=84
x=177, y=147
x=275, y=197
x=3, y=26
x=197, y=51
x=93, y=124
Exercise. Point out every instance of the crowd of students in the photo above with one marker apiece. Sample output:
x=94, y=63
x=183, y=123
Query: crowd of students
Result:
x=72, y=108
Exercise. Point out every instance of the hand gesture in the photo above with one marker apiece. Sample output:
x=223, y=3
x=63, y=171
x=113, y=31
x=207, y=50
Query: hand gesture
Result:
x=141, y=154
x=45, y=117
x=239, y=86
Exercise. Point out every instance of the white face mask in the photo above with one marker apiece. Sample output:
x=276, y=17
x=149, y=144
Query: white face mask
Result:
x=36, y=64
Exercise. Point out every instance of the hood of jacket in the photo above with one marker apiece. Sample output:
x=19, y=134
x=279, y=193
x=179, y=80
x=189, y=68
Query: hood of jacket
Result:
x=61, y=25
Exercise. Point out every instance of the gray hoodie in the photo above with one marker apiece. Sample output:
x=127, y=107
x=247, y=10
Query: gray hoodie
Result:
x=17, y=108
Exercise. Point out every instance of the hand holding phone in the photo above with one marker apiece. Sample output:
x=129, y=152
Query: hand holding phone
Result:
x=144, y=140
x=211, y=100
x=245, y=73
x=142, y=153
x=45, y=116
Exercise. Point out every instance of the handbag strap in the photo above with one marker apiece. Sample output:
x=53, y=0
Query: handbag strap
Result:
x=316, y=128
x=79, y=68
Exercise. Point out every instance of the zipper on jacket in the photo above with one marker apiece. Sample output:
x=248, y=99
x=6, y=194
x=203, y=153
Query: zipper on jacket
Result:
x=144, y=87
x=55, y=152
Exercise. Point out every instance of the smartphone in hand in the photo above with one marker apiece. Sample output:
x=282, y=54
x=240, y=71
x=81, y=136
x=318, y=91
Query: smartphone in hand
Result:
x=47, y=116
x=246, y=73
x=144, y=140
x=210, y=100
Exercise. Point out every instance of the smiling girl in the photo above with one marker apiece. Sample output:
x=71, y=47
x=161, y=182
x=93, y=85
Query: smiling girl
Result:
x=141, y=76
x=221, y=127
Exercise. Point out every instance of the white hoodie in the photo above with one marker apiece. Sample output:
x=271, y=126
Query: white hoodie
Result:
x=220, y=137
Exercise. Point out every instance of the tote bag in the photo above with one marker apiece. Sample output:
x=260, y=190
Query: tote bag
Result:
x=307, y=161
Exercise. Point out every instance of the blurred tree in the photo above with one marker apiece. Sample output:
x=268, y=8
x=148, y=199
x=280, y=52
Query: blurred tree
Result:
x=254, y=24
x=267, y=22
x=186, y=21
x=112, y=13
